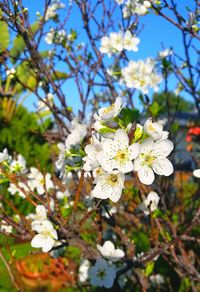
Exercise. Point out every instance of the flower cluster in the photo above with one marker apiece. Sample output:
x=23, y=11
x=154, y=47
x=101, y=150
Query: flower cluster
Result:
x=11, y=72
x=70, y=152
x=55, y=36
x=47, y=235
x=141, y=75
x=139, y=7
x=112, y=153
x=52, y=10
x=41, y=104
x=116, y=42
x=103, y=273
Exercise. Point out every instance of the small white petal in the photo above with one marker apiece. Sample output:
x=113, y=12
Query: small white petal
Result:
x=196, y=173
x=146, y=175
x=163, y=166
x=47, y=244
x=134, y=150
x=163, y=148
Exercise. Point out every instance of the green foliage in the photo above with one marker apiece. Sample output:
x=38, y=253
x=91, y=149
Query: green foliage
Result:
x=24, y=134
x=149, y=268
x=4, y=36
x=128, y=115
x=19, y=44
x=26, y=75
x=172, y=102
x=185, y=285
x=141, y=241
x=155, y=109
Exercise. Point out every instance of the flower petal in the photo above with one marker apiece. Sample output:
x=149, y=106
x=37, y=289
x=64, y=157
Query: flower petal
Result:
x=163, y=166
x=133, y=150
x=163, y=148
x=37, y=241
x=47, y=244
x=147, y=145
x=146, y=175
x=121, y=138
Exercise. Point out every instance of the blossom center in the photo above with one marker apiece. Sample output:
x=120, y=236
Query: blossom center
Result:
x=42, y=181
x=122, y=155
x=101, y=274
x=109, y=109
x=113, y=179
x=151, y=128
x=147, y=159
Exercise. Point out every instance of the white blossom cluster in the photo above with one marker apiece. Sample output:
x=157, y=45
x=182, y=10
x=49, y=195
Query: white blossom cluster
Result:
x=36, y=181
x=103, y=273
x=52, y=10
x=139, y=7
x=111, y=154
x=117, y=42
x=141, y=75
x=41, y=104
x=55, y=36
x=47, y=235
x=70, y=152
x=11, y=72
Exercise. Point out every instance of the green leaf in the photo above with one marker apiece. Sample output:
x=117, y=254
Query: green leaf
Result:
x=155, y=109
x=19, y=44
x=149, y=268
x=59, y=75
x=185, y=285
x=4, y=36
x=26, y=75
x=128, y=115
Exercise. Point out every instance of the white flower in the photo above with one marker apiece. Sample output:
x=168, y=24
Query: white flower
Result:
x=112, y=44
x=147, y=4
x=4, y=156
x=46, y=237
x=150, y=203
x=109, y=252
x=41, y=214
x=109, y=185
x=119, y=1
x=102, y=274
x=152, y=159
x=157, y=279
x=54, y=36
x=165, y=53
x=11, y=72
x=78, y=132
x=5, y=227
x=41, y=104
x=106, y=47
x=50, y=36
x=52, y=10
x=196, y=172
x=117, y=154
x=141, y=75
x=135, y=7
x=18, y=165
x=108, y=113
x=83, y=271
x=116, y=40
x=130, y=42
x=61, y=195
x=92, y=150
x=155, y=130
x=39, y=181
x=13, y=189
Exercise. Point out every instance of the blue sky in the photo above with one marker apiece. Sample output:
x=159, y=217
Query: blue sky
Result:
x=156, y=35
